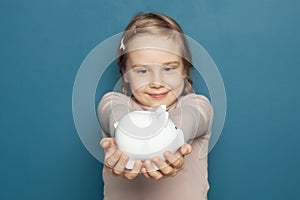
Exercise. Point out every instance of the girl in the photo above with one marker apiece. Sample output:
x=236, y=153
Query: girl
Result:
x=154, y=60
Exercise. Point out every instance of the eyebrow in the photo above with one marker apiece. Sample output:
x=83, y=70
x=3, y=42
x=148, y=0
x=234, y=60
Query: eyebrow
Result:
x=171, y=62
x=166, y=63
x=138, y=65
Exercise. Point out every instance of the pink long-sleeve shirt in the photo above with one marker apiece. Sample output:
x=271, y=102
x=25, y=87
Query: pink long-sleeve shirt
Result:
x=191, y=113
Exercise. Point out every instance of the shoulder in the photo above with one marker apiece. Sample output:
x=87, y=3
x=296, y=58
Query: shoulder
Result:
x=193, y=98
x=114, y=96
x=109, y=95
x=198, y=103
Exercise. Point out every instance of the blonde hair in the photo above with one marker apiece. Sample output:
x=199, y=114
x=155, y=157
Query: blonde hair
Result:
x=155, y=23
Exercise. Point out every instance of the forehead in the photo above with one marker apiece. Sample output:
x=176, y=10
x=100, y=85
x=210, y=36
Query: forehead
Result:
x=152, y=56
x=153, y=49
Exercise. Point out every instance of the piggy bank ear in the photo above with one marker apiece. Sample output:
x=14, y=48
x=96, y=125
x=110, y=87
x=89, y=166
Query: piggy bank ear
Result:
x=161, y=109
x=162, y=114
x=116, y=124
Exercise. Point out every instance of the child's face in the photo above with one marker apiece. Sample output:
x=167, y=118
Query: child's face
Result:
x=156, y=76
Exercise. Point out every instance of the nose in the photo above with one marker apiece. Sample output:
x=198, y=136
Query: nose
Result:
x=156, y=80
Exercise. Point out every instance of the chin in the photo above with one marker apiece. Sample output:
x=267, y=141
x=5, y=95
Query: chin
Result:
x=155, y=104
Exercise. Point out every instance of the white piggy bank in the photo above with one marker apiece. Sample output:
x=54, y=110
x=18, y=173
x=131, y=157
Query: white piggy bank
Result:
x=145, y=134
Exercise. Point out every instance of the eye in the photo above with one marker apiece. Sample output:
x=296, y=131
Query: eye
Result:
x=141, y=70
x=168, y=68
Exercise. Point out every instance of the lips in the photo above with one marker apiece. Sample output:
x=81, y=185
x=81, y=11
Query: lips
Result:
x=159, y=95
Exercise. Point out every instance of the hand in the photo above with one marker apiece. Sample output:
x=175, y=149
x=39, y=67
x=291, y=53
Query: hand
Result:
x=174, y=163
x=115, y=160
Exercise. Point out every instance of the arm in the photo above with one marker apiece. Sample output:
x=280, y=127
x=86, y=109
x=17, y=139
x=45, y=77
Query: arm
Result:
x=110, y=109
x=193, y=115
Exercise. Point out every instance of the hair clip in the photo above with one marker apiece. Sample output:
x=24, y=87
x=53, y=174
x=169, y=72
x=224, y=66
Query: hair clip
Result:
x=122, y=46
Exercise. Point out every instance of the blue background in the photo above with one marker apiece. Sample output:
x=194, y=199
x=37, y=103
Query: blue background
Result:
x=255, y=44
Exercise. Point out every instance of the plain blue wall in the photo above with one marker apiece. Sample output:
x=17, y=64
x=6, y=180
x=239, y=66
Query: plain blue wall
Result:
x=254, y=43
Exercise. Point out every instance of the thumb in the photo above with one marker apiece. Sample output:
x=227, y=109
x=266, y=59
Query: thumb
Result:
x=105, y=143
x=185, y=149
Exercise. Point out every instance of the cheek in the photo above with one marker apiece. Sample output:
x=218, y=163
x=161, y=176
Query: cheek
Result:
x=174, y=82
x=137, y=85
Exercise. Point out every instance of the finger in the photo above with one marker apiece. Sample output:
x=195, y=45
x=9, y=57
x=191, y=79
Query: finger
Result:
x=110, y=151
x=120, y=166
x=176, y=160
x=163, y=166
x=145, y=173
x=151, y=171
x=113, y=159
x=107, y=142
x=180, y=164
x=185, y=149
x=174, y=172
x=135, y=170
x=110, y=170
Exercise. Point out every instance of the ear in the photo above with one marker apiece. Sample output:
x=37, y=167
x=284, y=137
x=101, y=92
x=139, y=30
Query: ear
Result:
x=184, y=70
x=125, y=77
x=184, y=75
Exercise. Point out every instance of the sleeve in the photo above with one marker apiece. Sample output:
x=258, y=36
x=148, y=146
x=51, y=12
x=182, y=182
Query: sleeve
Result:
x=110, y=109
x=194, y=115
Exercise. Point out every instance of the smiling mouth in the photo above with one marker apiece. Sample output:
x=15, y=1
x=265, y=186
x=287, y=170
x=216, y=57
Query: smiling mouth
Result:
x=160, y=95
